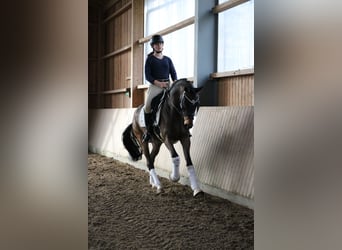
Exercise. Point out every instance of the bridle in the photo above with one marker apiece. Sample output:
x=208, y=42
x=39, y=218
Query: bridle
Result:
x=189, y=107
x=194, y=105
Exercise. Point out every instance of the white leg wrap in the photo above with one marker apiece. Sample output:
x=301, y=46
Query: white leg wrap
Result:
x=192, y=177
x=154, y=179
x=175, y=169
x=151, y=181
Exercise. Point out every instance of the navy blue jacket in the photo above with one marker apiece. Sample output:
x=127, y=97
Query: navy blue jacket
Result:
x=159, y=69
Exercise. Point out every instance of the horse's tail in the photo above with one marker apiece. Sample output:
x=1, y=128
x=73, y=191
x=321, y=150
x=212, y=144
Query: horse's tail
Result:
x=131, y=144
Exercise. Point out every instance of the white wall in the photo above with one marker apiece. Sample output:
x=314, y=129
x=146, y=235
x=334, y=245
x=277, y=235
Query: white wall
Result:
x=222, y=148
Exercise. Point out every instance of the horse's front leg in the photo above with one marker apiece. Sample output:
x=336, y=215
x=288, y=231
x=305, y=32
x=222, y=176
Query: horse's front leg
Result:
x=174, y=176
x=150, y=157
x=191, y=170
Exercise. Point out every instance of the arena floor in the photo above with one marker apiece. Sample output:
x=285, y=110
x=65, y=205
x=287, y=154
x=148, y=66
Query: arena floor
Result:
x=124, y=212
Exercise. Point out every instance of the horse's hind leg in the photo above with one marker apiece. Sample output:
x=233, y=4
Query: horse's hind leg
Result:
x=174, y=176
x=191, y=170
x=150, y=157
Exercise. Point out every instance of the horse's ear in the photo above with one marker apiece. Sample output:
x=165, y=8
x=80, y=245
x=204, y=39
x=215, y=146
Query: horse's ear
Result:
x=198, y=89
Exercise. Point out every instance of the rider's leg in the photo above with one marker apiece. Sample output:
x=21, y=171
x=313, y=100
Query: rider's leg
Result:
x=152, y=92
x=149, y=127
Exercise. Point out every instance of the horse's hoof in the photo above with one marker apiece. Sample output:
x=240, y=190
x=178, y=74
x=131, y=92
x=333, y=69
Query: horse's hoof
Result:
x=174, y=179
x=159, y=188
x=198, y=192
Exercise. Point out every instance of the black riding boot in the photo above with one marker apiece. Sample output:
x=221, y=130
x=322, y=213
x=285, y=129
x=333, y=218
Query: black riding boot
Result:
x=149, y=127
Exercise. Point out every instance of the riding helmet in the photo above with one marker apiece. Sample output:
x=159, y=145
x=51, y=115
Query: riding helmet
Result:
x=156, y=39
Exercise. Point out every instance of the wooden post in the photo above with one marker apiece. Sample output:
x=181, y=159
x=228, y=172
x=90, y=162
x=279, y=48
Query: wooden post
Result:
x=100, y=82
x=137, y=60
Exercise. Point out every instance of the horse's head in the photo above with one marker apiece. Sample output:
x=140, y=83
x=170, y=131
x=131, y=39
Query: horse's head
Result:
x=189, y=104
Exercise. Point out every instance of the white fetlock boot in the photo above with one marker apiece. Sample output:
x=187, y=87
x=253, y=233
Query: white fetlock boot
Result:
x=174, y=176
x=193, y=181
x=154, y=181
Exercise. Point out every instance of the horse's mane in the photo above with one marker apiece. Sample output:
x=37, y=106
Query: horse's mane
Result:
x=181, y=83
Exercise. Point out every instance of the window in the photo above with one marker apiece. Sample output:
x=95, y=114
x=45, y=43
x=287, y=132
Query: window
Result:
x=236, y=38
x=179, y=45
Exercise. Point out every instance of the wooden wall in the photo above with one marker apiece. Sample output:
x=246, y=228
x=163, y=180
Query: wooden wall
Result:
x=92, y=56
x=112, y=44
x=116, y=60
x=236, y=91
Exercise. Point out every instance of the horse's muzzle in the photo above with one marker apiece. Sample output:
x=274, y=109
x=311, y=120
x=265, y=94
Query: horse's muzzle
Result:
x=188, y=122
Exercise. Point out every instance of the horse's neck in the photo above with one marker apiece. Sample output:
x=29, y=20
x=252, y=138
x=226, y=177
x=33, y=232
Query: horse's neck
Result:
x=174, y=101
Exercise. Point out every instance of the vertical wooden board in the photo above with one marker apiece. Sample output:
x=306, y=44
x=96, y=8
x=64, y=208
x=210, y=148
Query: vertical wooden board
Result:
x=117, y=5
x=236, y=91
x=109, y=30
x=92, y=101
x=92, y=76
x=137, y=60
x=123, y=29
x=129, y=26
x=114, y=100
x=92, y=15
x=116, y=41
x=106, y=74
x=116, y=70
x=128, y=69
x=110, y=72
x=122, y=71
x=106, y=101
x=92, y=41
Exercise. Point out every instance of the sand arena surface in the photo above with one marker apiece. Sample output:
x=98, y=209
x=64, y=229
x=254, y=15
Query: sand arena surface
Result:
x=124, y=212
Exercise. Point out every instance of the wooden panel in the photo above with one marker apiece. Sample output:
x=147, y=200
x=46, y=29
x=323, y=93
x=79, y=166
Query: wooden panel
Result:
x=236, y=91
x=118, y=32
x=93, y=53
x=120, y=100
x=108, y=74
x=117, y=53
x=122, y=70
x=92, y=41
x=107, y=101
x=92, y=76
x=92, y=15
x=92, y=101
x=122, y=26
x=137, y=52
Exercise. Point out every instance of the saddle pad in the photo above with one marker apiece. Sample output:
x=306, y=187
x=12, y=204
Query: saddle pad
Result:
x=141, y=119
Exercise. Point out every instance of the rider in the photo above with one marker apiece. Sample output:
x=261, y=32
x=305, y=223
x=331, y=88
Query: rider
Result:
x=158, y=68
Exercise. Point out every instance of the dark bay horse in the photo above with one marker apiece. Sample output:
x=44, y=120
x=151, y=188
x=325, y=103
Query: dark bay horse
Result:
x=176, y=118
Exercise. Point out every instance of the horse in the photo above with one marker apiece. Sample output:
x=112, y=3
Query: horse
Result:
x=177, y=111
